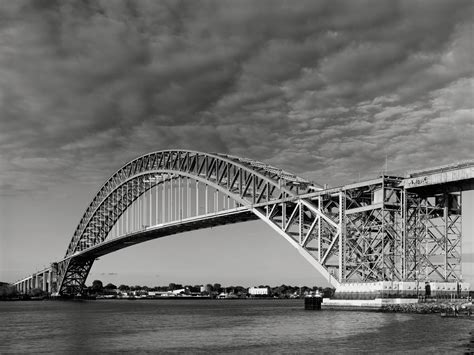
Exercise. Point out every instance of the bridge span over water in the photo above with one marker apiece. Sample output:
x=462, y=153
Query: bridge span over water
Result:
x=390, y=228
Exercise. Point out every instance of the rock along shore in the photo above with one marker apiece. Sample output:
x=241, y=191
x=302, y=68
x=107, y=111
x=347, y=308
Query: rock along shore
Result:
x=462, y=307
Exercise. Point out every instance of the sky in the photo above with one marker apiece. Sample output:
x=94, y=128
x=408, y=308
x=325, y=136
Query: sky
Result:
x=334, y=91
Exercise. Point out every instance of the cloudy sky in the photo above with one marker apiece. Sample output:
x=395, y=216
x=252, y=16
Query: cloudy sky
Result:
x=331, y=90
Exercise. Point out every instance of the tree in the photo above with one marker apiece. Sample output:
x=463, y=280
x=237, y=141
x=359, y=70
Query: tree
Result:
x=124, y=288
x=97, y=286
x=217, y=287
x=8, y=291
x=240, y=290
x=36, y=292
x=281, y=291
x=110, y=286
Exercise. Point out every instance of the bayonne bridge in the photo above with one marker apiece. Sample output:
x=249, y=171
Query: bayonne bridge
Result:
x=404, y=229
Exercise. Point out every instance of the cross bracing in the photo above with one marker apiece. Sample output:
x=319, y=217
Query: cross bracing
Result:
x=161, y=188
x=367, y=231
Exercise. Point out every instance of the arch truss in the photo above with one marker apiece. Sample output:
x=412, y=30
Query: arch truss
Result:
x=360, y=232
x=171, y=191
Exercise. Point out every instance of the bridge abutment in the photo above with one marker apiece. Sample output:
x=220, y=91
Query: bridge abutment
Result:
x=402, y=289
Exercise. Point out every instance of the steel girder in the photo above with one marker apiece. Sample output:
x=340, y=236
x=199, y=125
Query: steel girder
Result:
x=248, y=182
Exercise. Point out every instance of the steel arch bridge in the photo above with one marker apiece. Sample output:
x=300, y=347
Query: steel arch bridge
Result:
x=172, y=191
x=389, y=228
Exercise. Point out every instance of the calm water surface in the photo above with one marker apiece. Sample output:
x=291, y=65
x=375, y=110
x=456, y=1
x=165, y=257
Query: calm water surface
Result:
x=221, y=326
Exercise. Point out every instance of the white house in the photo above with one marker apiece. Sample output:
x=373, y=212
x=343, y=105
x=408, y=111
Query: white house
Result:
x=259, y=291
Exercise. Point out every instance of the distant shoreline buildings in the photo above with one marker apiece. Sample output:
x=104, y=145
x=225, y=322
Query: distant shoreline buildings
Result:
x=110, y=291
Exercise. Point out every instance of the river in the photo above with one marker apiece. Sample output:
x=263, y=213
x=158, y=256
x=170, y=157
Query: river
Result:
x=221, y=326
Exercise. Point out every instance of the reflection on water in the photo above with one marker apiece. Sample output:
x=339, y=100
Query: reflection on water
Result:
x=217, y=326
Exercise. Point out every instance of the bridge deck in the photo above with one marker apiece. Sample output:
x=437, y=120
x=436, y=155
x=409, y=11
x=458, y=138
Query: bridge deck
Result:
x=319, y=223
x=455, y=177
x=159, y=231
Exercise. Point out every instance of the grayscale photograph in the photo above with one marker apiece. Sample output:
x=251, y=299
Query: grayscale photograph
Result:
x=236, y=176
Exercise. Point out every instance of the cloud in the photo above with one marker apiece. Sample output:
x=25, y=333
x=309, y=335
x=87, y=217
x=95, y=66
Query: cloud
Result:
x=327, y=89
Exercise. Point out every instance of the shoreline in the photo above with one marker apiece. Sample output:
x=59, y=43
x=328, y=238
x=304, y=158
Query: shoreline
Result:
x=429, y=308
x=447, y=307
x=144, y=298
x=455, y=308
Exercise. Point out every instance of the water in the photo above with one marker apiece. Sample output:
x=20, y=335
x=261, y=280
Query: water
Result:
x=221, y=326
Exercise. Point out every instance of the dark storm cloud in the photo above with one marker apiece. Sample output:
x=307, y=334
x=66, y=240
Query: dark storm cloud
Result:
x=325, y=88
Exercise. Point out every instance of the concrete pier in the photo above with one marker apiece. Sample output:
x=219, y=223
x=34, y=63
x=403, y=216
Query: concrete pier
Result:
x=374, y=304
x=401, y=289
x=390, y=294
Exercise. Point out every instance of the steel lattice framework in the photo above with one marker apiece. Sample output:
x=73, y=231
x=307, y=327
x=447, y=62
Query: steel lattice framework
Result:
x=177, y=179
x=368, y=231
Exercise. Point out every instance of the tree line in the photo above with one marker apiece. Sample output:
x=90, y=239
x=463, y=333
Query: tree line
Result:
x=282, y=291
x=8, y=292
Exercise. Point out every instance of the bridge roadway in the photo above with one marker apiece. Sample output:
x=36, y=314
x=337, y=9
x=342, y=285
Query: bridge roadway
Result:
x=448, y=178
x=361, y=232
x=162, y=230
x=44, y=279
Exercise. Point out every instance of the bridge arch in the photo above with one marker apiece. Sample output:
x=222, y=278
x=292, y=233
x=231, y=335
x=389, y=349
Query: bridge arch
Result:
x=382, y=229
x=255, y=189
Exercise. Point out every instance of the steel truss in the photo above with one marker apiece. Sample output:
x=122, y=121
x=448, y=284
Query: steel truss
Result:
x=374, y=221
x=223, y=181
x=373, y=231
x=434, y=237
x=369, y=231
